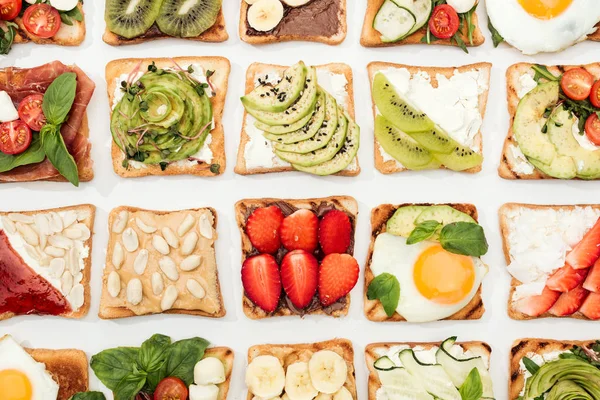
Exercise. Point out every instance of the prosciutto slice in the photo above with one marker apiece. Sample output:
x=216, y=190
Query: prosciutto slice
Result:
x=22, y=82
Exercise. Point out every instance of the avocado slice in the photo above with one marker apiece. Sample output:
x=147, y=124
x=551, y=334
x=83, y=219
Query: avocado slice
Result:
x=402, y=223
x=444, y=215
x=552, y=373
x=283, y=129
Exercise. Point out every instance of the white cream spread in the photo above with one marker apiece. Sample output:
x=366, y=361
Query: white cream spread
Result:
x=335, y=84
x=385, y=156
x=583, y=140
x=527, y=84
x=520, y=163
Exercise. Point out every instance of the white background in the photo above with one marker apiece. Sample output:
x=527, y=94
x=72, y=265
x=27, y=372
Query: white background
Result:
x=486, y=190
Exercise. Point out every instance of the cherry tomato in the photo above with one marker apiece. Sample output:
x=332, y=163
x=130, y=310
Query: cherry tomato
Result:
x=10, y=9
x=592, y=129
x=15, y=137
x=171, y=388
x=595, y=95
x=444, y=22
x=42, y=20
x=577, y=83
x=30, y=111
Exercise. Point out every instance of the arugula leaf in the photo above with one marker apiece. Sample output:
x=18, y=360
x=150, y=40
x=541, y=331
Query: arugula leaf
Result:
x=423, y=231
x=531, y=366
x=472, y=388
x=88, y=396
x=386, y=289
x=7, y=37
x=57, y=153
x=464, y=238
x=496, y=36
x=468, y=16
x=34, y=154
x=182, y=356
x=59, y=98
x=542, y=72
x=111, y=366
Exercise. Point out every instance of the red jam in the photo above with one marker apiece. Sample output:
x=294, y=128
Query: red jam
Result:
x=22, y=291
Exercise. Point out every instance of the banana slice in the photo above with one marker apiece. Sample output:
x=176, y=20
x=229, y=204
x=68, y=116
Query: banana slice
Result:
x=296, y=3
x=209, y=370
x=324, y=396
x=265, y=15
x=265, y=377
x=328, y=371
x=343, y=394
x=297, y=382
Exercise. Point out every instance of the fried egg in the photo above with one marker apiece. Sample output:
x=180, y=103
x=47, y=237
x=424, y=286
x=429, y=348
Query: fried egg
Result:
x=21, y=377
x=434, y=283
x=535, y=26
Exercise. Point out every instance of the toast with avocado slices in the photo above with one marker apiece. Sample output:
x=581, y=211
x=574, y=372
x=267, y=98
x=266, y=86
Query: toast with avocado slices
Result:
x=189, y=139
x=422, y=143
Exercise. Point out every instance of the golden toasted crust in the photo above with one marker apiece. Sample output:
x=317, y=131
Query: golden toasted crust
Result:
x=106, y=312
x=66, y=36
x=226, y=355
x=216, y=33
x=85, y=281
x=337, y=38
x=219, y=79
x=373, y=308
x=595, y=37
x=291, y=353
x=391, y=166
x=243, y=207
x=257, y=69
x=68, y=367
x=513, y=73
x=372, y=38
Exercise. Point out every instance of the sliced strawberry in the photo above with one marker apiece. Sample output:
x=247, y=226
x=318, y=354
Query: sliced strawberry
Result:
x=300, y=275
x=335, y=232
x=535, y=306
x=592, y=282
x=566, y=278
x=337, y=276
x=299, y=231
x=263, y=229
x=586, y=252
x=261, y=280
x=591, y=306
x=569, y=302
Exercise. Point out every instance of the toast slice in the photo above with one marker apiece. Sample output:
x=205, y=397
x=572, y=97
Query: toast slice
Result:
x=375, y=350
x=226, y=355
x=387, y=166
x=205, y=273
x=85, y=215
x=216, y=139
x=291, y=353
x=302, y=34
x=67, y=35
x=256, y=70
x=373, y=308
x=372, y=38
x=244, y=208
x=216, y=33
x=508, y=164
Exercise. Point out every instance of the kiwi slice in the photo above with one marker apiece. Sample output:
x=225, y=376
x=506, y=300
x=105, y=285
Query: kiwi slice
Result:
x=187, y=18
x=131, y=18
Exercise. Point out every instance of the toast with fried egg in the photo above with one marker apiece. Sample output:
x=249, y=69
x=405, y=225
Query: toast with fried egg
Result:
x=67, y=35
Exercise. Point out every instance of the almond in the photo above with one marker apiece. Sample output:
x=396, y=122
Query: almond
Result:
x=186, y=225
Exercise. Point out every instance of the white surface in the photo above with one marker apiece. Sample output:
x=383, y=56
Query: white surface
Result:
x=486, y=190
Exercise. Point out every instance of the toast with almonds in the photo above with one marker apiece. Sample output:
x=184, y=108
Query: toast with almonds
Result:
x=67, y=35
x=373, y=309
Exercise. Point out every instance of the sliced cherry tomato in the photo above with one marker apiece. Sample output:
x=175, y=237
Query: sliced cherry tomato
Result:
x=444, y=22
x=577, y=83
x=10, y=9
x=30, y=111
x=42, y=20
x=171, y=388
x=15, y=137
x=595, y=95
x=592, y=129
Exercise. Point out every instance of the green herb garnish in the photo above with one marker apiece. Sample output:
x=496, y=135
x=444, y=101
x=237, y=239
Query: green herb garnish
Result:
x=472, y=388
x=423, y=231
x=496, y=36
x=386, y=289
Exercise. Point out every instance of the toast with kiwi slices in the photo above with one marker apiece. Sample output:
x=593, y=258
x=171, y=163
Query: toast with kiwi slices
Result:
x=138, y=21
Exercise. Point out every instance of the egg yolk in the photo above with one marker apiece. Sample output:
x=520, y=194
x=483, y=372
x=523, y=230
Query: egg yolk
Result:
x=443, y=277
x=14, y=385
x=545, y=9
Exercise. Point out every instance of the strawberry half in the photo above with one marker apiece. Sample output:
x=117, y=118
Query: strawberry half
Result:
x=569, y=302
x=261, y=280
x=566, y=278
x=591, y=306
x=299, y=275
x=337, y=276
x=335, y=232
x=299, y=231
x=262, y=228
x=586, y=252
x=592, y=282
x=535, y=306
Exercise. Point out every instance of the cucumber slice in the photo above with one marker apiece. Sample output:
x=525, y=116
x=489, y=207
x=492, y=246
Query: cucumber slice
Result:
x=398, y=383
x=280, y=97
x=393, y=22
x=413, y=393
x=384, y=364
x=402, y=222
x=432, y=377
x=421, y=9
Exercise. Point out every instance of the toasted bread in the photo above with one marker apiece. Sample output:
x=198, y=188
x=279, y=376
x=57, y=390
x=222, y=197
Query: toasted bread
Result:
x=392, y=166
x=508, y=162
x=226, y=355
x=372, y=38
x=219, y=79
x=67, y=35
x=244, y=207
x=257, y=69
x=291, y=353
x=373, y=308
x=595, y=37
x=86, y=272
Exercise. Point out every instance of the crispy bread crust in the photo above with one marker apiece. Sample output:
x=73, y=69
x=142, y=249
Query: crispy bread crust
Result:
x=291, y=353
x=66, y=35
x=513, y=73
x=258, y=68
x=390, y=167
x=344, y=203
x=373, y=308
x=371, y=38
x=219, y=79
x=226, y=355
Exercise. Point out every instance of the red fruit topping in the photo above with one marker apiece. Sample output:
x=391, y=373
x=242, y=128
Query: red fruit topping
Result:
x=261, y=280
x=587, y=252
x=535, y=306
x=591, y=306
x=335, y=232
x=592, y=282
x=337, y=276
x=299, y=231
x=566, y=278
x=263, y=229
x=569, y=302
x=299, y=275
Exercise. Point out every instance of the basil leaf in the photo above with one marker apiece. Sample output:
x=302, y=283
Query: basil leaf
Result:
x=34, y=154
x=65, y=19
x=464, y=238
x=531, y=366
x=472, y=388
x=151, y=358
x=7, y=37
x=386, y=289
x=88, y=396
x=423, y=231
x=111, y=366
x=496, y=36
x=75, y=14
x=130, y=386
x=59, y=156
x=182, y=356
x=59, y=98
